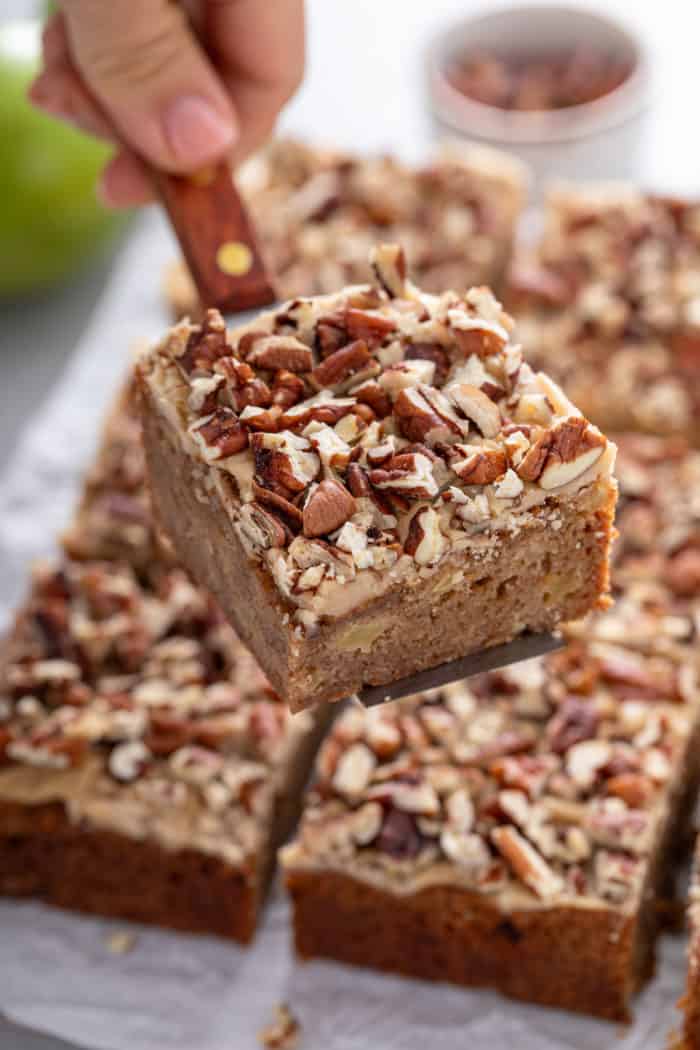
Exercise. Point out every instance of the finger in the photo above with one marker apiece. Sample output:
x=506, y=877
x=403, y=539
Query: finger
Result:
x=62, y=94
x=59, y=88
x=124, y=182
x=150, y=75
x=260, y=68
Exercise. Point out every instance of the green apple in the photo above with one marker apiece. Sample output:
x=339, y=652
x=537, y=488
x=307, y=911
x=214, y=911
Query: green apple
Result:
x=50, y=220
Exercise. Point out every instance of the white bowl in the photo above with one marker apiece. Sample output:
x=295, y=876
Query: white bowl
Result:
x=598, y=139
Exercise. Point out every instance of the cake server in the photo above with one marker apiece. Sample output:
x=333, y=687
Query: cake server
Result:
x=525, y=647
x=218, y=240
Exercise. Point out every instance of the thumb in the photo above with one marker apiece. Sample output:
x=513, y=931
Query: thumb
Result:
x=144, y=65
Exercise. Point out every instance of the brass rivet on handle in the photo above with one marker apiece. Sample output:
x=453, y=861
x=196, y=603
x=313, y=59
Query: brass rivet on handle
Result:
x=204, y=177
x=234, y=258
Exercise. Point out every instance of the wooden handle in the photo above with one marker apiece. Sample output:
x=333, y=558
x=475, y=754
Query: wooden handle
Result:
x=217, y=238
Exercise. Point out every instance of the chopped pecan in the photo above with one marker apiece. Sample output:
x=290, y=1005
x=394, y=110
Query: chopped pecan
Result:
x=265, y=419
x=287, y=389
x=527, y=864
x=476, y=406
x=425, y=542
x=328, y=507
x=372, y=328
x=480, y=464
x=354, y=771
x=410, y=475
x=330, y=335
x=682, y=573
x=481, y=338
x=341, y=365
x=530, y=283
x=284, y=459
x=633, y=788
x=127, y=761
x=370, y=393
x=276, y=503
x=574, y=447
x=389, y=264
x=439, y=357
x=276, y=352
x=321, y=408
x=357, y=481
x=255, y=393
x=575, y=720
x=261, y=529
x=221, y=435
x=206, y=344
x=418, y=420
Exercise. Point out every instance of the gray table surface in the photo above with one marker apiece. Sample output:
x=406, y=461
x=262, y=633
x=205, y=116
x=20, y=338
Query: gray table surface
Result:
x=383, y=106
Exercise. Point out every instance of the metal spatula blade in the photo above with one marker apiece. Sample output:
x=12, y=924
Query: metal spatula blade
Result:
x=526, y=647
x=219, y=243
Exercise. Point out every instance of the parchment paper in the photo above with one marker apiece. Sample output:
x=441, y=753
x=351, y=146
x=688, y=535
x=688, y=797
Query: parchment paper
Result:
x=178, y=992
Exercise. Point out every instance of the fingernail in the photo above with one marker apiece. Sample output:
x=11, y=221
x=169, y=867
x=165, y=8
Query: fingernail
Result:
x=196, y=132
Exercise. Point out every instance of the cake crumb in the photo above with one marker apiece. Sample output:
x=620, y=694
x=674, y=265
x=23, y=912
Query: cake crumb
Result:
x=283, y=1032
x=119, y=942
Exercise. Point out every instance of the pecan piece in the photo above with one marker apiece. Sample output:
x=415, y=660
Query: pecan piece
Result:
x=682, y=573
x=255, y=393
x=284, y=459
x=371, y=394
x=287, y=389
x=261, y=528
x=477, y=406
x=266, y=419
x=127, y=761
x=418, y=420
x=205, y=345
x=425, y=542
x=410, y=475
x=221, y=435
x=341, y=365
x=530, y=283
x=527, y=864
x=276, y=352
x=434, y=353
x=574, y=447
x=633, y=788
x=372, y=328
x=329, y=506
x=576, y=720
x=357, y=481
x=480, y=465
x=389, y=265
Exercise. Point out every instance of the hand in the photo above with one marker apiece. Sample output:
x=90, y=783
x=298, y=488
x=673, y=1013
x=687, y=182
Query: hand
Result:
x=179, y=85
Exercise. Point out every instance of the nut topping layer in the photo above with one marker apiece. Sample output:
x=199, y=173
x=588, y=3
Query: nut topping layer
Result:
x=383, y=427
x=610, y=301
x=545, y=782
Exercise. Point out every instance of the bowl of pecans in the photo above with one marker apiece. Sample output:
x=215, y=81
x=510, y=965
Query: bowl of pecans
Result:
x=565, y=88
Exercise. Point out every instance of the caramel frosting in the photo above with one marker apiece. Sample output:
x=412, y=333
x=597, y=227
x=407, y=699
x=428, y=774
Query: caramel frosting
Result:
x=362, y=438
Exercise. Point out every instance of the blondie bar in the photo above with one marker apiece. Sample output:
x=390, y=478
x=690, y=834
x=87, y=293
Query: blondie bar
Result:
x=147, y=771
x=609, y=302
x=373, y=482
x=514, y=832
